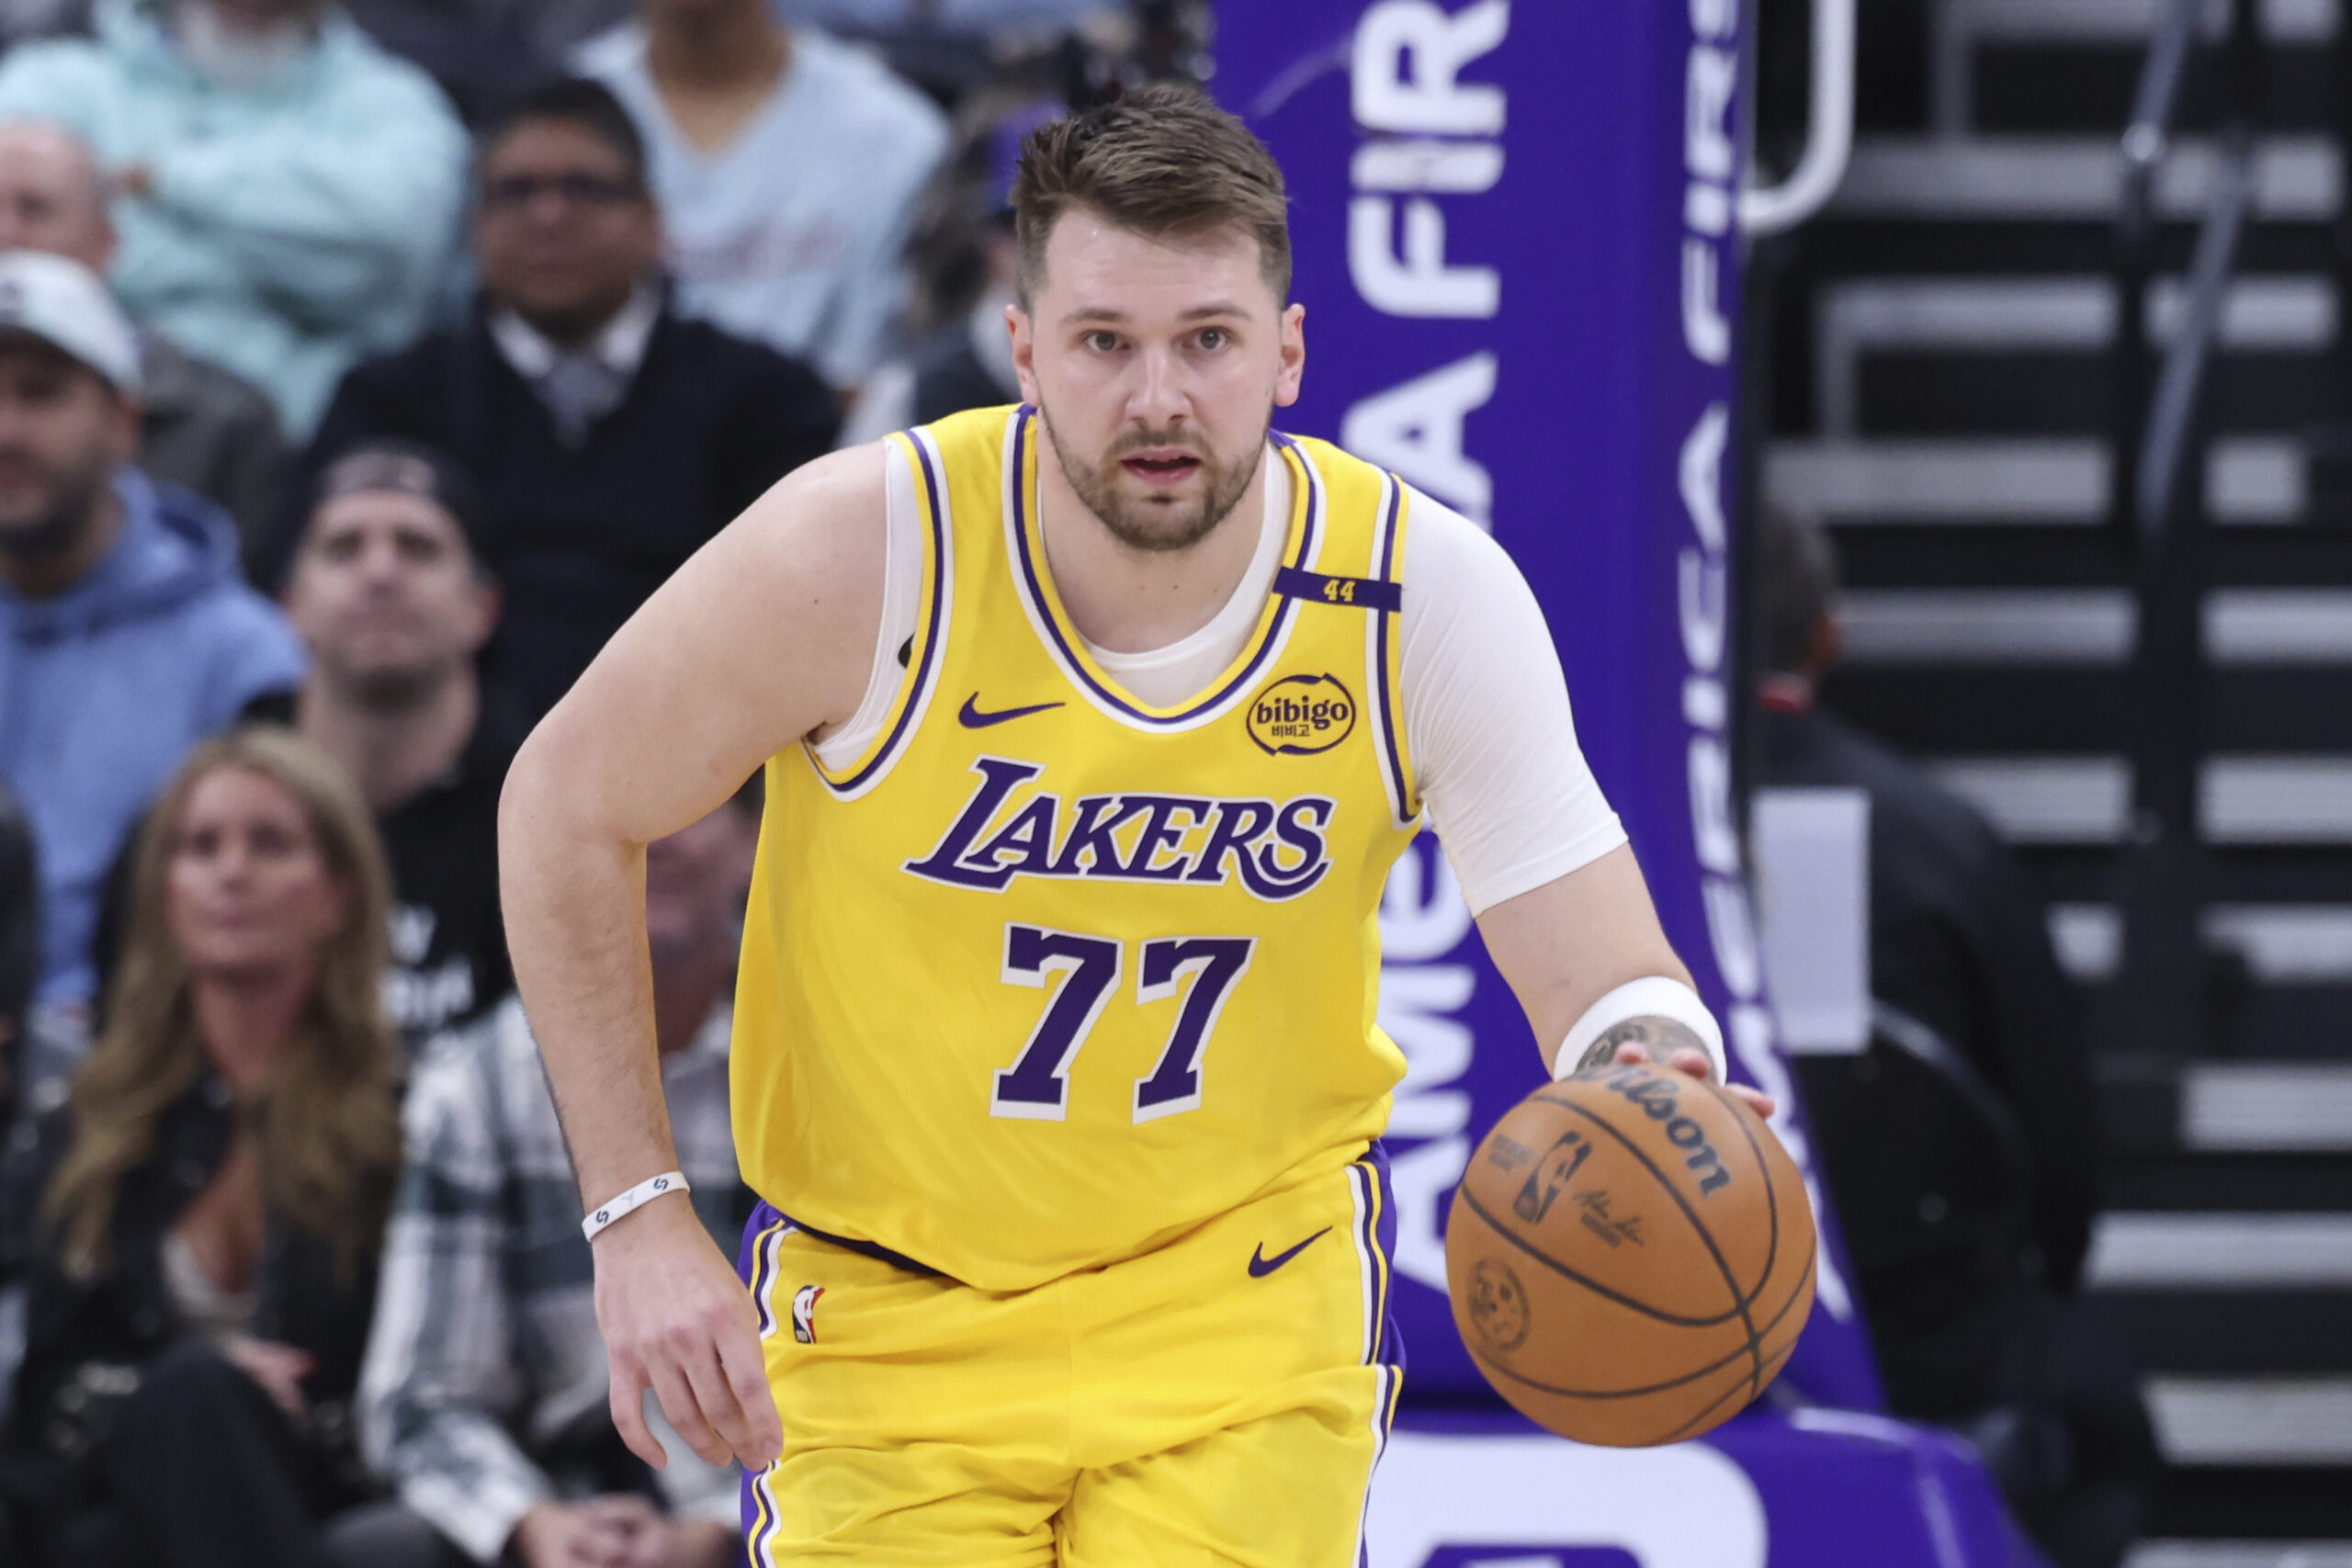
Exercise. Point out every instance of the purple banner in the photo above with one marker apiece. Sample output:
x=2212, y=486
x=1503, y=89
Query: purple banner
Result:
x=1819, y=1489
x=1513, y=227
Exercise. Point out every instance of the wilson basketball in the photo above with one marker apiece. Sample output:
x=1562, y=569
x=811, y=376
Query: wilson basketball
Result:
x=1631, y=1257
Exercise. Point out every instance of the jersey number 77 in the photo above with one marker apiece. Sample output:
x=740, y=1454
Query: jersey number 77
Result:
x=1036, y=1087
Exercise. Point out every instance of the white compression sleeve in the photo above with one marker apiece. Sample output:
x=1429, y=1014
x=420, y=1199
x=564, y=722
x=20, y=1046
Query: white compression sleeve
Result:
x=1487, y=717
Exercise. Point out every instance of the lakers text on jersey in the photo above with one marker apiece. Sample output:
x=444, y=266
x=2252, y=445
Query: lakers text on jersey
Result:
x=1050, y=975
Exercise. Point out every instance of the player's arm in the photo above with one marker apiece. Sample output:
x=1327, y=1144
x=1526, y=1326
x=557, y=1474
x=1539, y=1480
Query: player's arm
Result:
x=766, y=635
x=1598, y=979
x=1541, y=857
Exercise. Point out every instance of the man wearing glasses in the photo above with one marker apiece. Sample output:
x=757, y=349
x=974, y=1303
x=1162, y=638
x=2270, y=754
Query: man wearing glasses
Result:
x=611, y=435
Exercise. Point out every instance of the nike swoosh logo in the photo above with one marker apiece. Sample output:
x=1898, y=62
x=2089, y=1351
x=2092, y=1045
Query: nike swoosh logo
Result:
x=1261, y=1265
x=971, y=718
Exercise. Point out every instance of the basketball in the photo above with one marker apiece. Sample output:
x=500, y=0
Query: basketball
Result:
x=1630, y=1256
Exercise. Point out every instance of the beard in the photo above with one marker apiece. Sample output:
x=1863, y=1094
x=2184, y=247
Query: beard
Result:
x=1172, y=525
x=61, y=521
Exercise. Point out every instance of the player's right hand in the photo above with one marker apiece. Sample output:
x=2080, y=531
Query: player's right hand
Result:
x=677, y=1320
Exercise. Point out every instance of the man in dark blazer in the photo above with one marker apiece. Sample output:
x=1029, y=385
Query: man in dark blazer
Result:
x=610, y=435
x=1966, y=1197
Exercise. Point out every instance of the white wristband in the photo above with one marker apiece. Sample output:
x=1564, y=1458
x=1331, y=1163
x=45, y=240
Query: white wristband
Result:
x=642, y=1194
x=1653, y=996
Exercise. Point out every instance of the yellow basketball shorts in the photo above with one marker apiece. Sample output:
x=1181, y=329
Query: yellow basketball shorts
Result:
x=1221, y=1400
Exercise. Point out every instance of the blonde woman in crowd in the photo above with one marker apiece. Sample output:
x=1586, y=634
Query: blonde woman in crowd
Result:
x=199, y=1226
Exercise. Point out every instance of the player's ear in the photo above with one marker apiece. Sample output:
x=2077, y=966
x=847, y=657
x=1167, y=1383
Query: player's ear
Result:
x=1293, y=353
x=1024, y=352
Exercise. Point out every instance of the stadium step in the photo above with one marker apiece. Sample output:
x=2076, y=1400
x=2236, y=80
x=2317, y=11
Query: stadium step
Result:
x=2046, y=480
x=2297, y=179
x=1938, y=351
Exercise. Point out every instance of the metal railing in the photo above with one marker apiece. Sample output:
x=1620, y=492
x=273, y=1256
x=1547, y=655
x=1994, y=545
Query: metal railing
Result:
x=1829, y=131
x=2159, y=1002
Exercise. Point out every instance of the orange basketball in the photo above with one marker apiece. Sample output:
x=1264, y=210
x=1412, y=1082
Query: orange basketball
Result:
x=1631, y=1257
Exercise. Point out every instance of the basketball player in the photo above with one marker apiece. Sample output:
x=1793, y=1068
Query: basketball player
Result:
x=1092, y=729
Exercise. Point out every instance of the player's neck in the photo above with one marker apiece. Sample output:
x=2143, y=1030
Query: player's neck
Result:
x=1132, y=600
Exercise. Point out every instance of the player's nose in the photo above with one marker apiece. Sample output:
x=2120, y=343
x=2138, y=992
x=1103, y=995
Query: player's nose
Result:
x=1160, y=397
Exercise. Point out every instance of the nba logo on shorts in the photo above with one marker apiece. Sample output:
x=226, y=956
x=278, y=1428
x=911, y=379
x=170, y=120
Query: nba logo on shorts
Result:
x=803, y=1312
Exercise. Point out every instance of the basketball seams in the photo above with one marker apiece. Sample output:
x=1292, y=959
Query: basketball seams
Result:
x=1595, y=1286
x=1771, y=1208
x=1701, y=1418
x=1772, y=1364
x=1741, y=1301
x=1738, y=1345
x=1771, y=1196
x=1803, y=1281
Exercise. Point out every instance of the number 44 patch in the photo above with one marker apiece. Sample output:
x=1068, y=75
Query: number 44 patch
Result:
x=803, y=1312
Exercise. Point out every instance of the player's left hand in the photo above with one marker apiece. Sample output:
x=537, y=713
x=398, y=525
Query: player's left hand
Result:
x=1697, y=1064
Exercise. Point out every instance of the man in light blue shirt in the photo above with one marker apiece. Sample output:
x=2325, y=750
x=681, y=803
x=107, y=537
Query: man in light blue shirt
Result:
x=290, y=192
x=126, y=633
x=789, y=166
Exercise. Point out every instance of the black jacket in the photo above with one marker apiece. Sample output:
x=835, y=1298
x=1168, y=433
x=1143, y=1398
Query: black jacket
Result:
x=580, y=537
x=212, y=431
x=126, y=1316
x=448, y=942
x=1959, y=943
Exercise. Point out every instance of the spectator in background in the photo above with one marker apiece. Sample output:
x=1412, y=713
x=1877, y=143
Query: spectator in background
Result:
x=1972, y=1311
x=485, y=1397
x=964, y=361
x=126, y=632
x=788, y=167
x=289, y=192
x=206, y=1211
x=388, y=595
x=200, y=426
x=611, y=435
x=484, y=52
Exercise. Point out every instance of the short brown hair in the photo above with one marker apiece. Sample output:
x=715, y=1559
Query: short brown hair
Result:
x=1162, y=161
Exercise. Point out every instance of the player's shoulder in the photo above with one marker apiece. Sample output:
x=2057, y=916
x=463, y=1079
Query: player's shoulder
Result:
x=1448, y=551
x=825, y=512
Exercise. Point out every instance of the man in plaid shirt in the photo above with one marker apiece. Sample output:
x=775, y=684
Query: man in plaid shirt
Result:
x=484, y=1397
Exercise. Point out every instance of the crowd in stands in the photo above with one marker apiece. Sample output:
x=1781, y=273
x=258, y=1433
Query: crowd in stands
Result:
x=364, y=364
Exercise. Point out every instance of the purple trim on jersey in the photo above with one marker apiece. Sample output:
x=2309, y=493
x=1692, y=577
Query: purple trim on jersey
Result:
x=751, y=1266
x=753, y=1259
x=1377, y=1234
x=1072, y=661
x=1391, y=719
x=931, y=653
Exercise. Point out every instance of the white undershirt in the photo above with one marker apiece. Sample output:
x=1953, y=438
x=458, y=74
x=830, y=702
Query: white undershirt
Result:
x=1486, y=716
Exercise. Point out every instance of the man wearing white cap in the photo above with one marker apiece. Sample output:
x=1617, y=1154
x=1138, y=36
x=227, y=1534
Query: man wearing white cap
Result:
x=202, y=426
x=125, y=631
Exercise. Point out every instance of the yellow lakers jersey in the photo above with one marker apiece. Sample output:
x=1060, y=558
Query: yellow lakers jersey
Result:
x=1050, y=976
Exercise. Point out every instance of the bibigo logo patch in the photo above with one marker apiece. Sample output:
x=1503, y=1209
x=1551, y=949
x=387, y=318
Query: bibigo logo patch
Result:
x=1301, y=715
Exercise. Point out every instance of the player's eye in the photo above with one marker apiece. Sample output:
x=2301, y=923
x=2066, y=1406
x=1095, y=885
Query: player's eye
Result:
x=1213, y=338
x=1101, y=341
